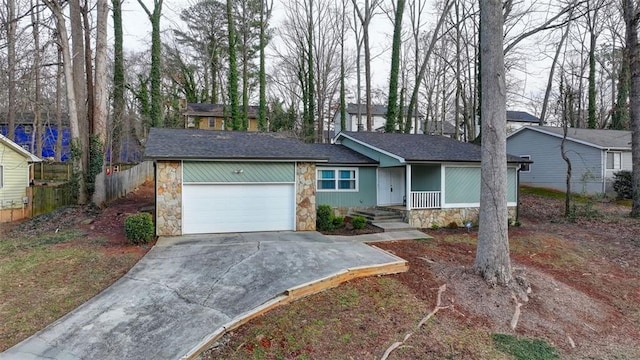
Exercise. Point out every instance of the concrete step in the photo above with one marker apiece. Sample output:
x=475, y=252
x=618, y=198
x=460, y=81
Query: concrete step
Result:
x=380, y=218
x=393, y=226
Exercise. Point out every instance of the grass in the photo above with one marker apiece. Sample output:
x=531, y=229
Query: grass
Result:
x=46, y=276
x=524, y=349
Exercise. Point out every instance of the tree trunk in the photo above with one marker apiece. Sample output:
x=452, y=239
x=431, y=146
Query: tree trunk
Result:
x=233, y=69
x=310, y=76
x=631, y=14
x=77, y=163
x=11, y=25
x=492, y=258
x=392, y=104
x=88, y=67
x=101, y=108
x=59, y=132
x=547, y=93
x=36, y=145
x=118, y=83
x=155, y=75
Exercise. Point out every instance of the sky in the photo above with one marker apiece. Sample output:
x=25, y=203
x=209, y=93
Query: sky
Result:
x=137, y=30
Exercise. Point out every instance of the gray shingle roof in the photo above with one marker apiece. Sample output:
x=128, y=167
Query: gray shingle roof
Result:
x=164, y=143
x=339, y=154
x=418, y=147
x=613, y=139
x=521, y=116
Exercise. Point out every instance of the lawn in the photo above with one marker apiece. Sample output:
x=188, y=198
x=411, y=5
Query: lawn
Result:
x=51, y=264
x=584, y=277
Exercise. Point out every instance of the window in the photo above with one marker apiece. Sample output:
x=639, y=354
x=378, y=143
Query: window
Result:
x=525, y=167
x=337, y=180
x=27, y=129
x=212, y=123
x=614, y=160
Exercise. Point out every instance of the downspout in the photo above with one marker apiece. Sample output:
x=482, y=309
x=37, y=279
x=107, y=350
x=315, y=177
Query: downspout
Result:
x=603, y=165
x=518, y=193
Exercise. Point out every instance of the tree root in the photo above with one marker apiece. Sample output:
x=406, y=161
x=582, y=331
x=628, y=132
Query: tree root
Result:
x=424, y=320
x=516, y=313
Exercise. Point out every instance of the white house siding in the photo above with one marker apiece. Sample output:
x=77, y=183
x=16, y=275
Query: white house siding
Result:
x=15, y=173
x=378, y=121
x=549, y=170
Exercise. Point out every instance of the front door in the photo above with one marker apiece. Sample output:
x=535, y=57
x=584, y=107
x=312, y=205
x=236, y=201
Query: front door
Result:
x=391, y=186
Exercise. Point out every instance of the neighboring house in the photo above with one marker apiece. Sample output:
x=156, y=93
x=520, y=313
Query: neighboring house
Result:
x=378, y=114
x=24, y=132
x=518, y=119
x=16, y=173
x=215, y=117
x=595, y=156
x=441, y=128
x=214, y=181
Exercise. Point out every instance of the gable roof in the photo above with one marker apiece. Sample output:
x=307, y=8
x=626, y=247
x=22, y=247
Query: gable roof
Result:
x=176, y=144
x=340, y=154
x=597, y=138
x=521, y=116
x=17, y=148
x=216, y=110
x=419, y=148
x=376, y=110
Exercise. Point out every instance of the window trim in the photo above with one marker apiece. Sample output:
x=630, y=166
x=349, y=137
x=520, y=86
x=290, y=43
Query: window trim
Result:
x=336, y=178
x=613, y=164
x=1, y=176
x=528, y=165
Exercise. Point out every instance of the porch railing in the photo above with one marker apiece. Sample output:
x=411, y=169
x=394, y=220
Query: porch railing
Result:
x=425, y=199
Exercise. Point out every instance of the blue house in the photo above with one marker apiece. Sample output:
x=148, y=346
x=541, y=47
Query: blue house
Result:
x=595, y=155
x=24, y=133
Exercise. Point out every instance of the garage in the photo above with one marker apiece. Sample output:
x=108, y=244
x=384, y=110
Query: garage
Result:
x=221, y=197
x=225, y=208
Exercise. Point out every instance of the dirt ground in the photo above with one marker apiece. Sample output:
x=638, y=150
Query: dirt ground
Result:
x=584, y=298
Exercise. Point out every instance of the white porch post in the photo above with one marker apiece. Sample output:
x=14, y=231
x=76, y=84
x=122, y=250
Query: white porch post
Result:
x=407, y=192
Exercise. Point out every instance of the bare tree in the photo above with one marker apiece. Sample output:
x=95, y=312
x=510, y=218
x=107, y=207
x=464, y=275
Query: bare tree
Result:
x=365, y=15
x=100, y=111
x=63, y=43
x=492, y=260
x=631, y=13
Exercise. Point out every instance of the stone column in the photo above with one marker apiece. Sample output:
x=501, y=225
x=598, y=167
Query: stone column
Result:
x=305, y=196
x=168, y=198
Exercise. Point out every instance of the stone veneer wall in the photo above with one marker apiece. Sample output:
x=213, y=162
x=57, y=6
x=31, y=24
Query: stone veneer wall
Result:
x=443, y=217
x=305, y=197
x=168, y=198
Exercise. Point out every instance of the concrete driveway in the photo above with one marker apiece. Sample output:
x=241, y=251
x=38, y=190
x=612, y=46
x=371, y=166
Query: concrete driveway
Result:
x=188, y=290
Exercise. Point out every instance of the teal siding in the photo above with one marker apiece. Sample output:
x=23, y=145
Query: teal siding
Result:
x=425, y=178
x=238, y=172
x=365, y=196
x=384, y=160
x=512, y=184
x=462, y=185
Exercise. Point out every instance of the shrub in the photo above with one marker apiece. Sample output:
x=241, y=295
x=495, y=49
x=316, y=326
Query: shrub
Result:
x=453, y=225
x=324, y=218
x=358, y=222
x=623, y=184
x=337, y=222
x=139, y=228
x=524, y=349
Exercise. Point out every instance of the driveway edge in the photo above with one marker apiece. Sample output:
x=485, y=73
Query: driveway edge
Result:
x=300, y=291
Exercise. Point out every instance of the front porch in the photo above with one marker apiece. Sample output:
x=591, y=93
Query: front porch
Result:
x=437, y=218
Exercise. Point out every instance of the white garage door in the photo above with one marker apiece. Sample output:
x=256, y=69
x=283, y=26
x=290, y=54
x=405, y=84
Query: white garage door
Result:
x=237, y=208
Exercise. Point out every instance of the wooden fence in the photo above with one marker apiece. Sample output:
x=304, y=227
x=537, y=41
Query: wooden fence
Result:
x=52, y=171
x=125, y=181
x=49, y=198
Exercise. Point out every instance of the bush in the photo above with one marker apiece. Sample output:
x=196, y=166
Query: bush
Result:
x=139, y=228
x=623, y=184
x=338, y=222
x=453, y=225
x=324, y=218
x=358, y=222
